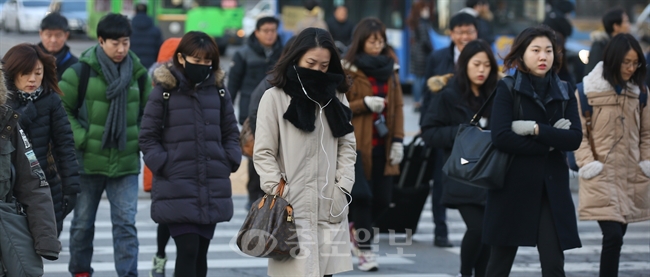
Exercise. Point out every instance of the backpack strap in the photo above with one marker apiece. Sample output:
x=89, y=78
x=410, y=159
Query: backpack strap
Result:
x=82, y=87
x=587, y=112
x=166, y=96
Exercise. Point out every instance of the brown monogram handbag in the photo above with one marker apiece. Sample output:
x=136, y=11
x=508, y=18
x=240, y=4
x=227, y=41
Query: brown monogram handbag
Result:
x=269, y=230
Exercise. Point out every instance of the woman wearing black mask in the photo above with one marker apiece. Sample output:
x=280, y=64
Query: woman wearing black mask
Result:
x=309, y=142
x=190, y=141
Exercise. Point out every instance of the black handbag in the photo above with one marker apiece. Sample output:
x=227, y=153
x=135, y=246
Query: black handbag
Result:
x=269, y=230
x=474, y=160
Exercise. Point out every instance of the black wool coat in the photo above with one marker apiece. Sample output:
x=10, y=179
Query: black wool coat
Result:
x=439, y=128
x=440, y=62
x=512, y=213
x=46, y=124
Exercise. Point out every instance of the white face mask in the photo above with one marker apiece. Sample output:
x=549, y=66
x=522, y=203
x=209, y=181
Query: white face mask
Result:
x=425, y=14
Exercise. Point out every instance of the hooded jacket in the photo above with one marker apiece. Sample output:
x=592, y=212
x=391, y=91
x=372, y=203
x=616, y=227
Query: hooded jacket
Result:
x=192, y=157
x=249, y=66
x=30, y=190
x=88, y=123
x=621, y=134
x=146, y=39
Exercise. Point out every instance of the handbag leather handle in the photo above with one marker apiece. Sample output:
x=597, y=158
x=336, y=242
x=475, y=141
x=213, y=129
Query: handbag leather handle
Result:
x=477, y=116
x=280, y=192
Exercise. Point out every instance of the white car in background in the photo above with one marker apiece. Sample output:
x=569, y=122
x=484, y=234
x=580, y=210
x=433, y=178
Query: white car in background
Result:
x=73, y=10
x=23, y=15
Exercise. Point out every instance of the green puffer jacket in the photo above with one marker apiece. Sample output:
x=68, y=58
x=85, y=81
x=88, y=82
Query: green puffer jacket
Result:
x=88, y=123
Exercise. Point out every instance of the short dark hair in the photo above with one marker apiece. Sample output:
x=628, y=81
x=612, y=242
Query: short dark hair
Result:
x=309, y=38
x=141, y=8
x=54, y=21
x=611, y=17
x=366, y=28
x=266, y=20
x=614, y=55
x=113, y=26
x=462, y=19
x=462, y=80
x=21, y=59
x=197, y=44
x=473, y=3
x=311, y=4
x=514, y=59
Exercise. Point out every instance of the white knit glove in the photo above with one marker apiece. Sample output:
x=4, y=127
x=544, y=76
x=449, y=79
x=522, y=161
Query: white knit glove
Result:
x=645, y=167
x=396, y=153
x=523, y=127
x=375, y=103
x=590, y=170
x=563, y=124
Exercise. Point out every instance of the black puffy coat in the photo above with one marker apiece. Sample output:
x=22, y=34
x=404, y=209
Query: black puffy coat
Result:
x=64, y=59
x=46, y=124
x=146, y=39
x=249, y=66
x=439, y=128
x=191, y=158
x=512, y=213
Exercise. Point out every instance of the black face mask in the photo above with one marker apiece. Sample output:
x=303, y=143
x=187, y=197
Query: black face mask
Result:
x=197, y=72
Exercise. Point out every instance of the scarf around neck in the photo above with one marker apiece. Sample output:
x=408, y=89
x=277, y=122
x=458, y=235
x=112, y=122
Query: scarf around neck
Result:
x=320, y=87
x=380, y=67
x=26, y=96
x=118, y=77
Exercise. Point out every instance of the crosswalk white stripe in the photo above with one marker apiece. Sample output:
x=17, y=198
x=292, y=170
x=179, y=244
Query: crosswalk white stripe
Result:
x=230, y=233
x=584, y=250
x=583, y=267
x=212, y=263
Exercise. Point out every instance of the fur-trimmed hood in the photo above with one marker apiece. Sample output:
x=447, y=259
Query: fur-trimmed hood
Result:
x=599, y=36
x=4, y=92
x=595, y=83
x=164, y=77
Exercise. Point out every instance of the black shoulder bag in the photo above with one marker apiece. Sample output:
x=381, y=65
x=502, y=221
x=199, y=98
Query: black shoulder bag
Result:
x=474, y=160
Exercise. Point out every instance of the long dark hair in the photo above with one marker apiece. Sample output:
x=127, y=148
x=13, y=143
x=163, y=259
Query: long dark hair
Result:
x=613, y=57
x=414, y=16
x=514, y=59
x=366, y=28
x=197, y=44
x=462, y=80
x=21, y=59
x=309, y=38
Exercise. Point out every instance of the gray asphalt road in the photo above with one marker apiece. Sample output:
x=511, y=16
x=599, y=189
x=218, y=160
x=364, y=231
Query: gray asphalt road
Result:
x=398, y=255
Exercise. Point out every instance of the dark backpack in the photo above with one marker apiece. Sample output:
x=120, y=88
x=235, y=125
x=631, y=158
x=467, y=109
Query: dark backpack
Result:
x=84, y=76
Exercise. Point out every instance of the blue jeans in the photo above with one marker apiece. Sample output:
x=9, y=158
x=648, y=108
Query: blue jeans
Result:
x=122, y=193
x=417, y=87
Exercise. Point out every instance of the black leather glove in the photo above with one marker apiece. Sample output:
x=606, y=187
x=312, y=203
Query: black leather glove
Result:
x=69, y=201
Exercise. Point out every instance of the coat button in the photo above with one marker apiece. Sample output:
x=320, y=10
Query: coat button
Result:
x=8, y=127
x=15, y=115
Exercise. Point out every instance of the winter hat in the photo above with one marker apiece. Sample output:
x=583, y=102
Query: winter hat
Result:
x=167, y=49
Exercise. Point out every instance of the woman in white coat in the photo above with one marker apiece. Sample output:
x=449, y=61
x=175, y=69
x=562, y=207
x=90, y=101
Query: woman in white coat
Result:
x=304, y=135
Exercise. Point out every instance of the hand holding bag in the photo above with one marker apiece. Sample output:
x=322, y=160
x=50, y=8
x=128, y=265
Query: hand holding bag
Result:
x=474, y=160
x=269, y=230
x=19, y=257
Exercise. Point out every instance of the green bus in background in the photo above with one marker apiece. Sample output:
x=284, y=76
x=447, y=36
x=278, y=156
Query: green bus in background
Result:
x=222, y=19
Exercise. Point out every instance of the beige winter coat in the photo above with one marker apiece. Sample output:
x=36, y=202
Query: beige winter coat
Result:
x=621, y=134
x=287, y=151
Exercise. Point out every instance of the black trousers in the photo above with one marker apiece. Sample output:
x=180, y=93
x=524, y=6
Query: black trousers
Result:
x=162, y=238
x=439, y=211
x=363, y=212
x=191, y=255
x=474, y=254
x=550, y=252
x=610, y=255
x=253, y=186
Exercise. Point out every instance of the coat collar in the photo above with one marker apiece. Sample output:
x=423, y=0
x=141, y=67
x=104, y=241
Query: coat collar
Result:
x=557, y=90
x=595, y=83
x=164, y=77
